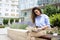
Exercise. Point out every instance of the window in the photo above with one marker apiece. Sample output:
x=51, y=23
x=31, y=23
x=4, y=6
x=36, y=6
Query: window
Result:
x=0, y=9
x=6, y=14
x=0, y=4
x=12, y=14
x=17, y=14
x=17, y=10
x=13, y=1
x=39, y=2
x=7, y=4
x=6, y=9
x=12, y=5
x=12, y=10
x=25, y=14
x=17, y=6
x=7, y=0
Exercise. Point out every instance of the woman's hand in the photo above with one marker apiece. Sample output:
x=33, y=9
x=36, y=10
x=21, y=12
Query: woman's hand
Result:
x=38, y=29
x=44, y=27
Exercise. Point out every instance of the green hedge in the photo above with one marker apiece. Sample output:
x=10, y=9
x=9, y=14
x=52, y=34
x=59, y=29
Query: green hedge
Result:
x=58, y=11
x=11, y=20
x=5, y=21
x=50, y=9
x=2, y=26
x=55, y=20
x=59, y=32
x=17, y=20
x=18, y=26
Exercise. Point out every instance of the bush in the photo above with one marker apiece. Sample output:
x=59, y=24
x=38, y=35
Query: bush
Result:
x=49, y=10
x=18, y=26
x=55, y=20
x=58, y=11
x=59, y=32
x=5, y=21
x=11, y=20
x=17, y=20
x=1, y=26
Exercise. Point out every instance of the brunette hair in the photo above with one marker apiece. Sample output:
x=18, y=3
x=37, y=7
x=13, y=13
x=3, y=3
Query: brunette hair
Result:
x=33, y=15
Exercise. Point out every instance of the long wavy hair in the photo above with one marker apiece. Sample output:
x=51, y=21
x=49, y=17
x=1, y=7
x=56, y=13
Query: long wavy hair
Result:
x=33, y=15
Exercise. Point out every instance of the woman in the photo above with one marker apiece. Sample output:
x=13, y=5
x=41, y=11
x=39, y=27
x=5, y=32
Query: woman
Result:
x=40, y=20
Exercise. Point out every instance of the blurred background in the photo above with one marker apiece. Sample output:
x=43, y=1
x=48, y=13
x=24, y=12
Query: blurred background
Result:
x=12, y=11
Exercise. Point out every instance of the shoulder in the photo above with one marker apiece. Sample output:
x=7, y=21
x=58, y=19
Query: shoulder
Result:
x=45, y=16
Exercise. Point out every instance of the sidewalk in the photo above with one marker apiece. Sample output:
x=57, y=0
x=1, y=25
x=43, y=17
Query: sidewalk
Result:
x=3, y=34
x=3, y=31
x=4, y=37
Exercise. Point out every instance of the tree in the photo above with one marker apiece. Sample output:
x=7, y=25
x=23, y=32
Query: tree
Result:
x=50, y=9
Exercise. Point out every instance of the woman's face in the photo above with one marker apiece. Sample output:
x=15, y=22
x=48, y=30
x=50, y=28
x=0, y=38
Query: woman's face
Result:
x=37, y=12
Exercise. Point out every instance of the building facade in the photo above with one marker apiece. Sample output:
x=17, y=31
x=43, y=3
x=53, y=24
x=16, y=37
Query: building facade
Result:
x=8, y=9
x=27, y=5
x=25, y=8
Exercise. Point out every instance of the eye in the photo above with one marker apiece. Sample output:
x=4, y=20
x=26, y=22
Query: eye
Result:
x=36, y=11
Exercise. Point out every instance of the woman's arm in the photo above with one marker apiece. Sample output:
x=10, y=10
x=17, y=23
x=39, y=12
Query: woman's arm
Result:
x=43, y=28
x=47, y=24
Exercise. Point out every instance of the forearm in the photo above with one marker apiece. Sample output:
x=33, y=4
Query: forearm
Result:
x=43, y=28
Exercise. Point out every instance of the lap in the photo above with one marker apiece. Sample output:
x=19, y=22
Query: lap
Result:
x=36, y=34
